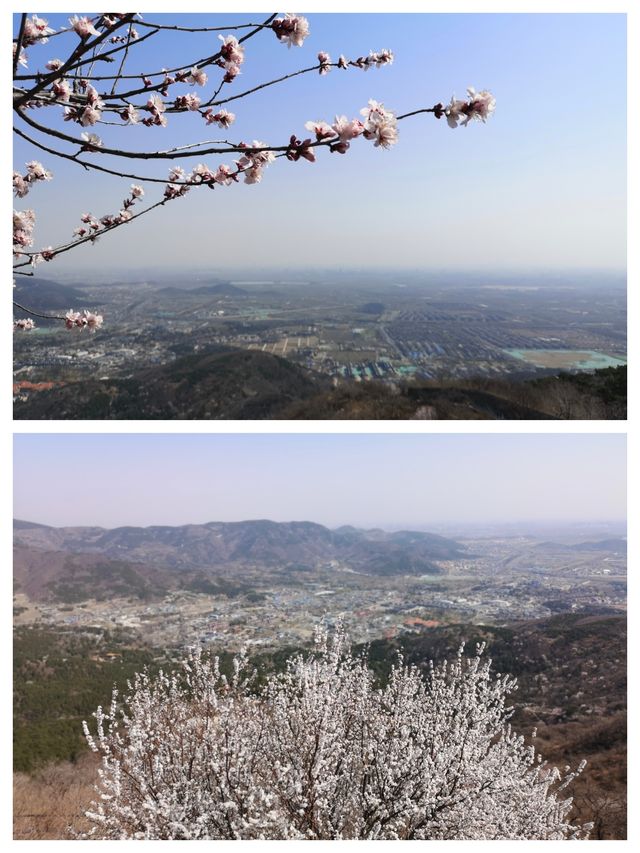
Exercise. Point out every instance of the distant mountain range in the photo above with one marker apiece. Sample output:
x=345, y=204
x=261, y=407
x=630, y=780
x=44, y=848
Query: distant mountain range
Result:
x=224, y=288
x=138, y=558
x=614, y=545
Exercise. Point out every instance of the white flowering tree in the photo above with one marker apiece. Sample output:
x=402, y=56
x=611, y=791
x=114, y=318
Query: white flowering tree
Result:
x=76, y=88
x=320, y=752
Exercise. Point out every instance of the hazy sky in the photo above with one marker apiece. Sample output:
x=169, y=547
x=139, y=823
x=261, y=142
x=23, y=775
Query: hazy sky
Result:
x=543, y=184
x=387, y=480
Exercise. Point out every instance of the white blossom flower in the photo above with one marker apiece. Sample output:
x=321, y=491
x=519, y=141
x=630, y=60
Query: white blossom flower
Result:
x=347, y=129
x=37, y=172
x=24, y=324
x=232, y=51
x=325, y=63
x=197, y=76
x=137, y=191
x=36, y=30
x=61, y=89
x=22, y=59
x=292, y=29
x=83, y=26
x=91, y=140
x=321, y=129
x=130, y=114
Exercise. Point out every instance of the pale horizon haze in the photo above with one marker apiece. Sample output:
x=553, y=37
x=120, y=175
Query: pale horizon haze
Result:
x=333, y=479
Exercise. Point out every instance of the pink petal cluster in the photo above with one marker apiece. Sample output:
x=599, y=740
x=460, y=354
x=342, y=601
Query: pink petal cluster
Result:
x=36, y=30
x=187, y=102
x=155, y=106
x=222, y=118
x=197, y=77
x=479, y=106
x=253, y=162
x=298, y=149
x=321, y=129
x=23, y=324
x=325, y=63
x=61, y=90
x=130, y=114
x=232, y=54
x=292, y=29
x=83, y=320
x=22, y=59
x=380, y=125
x=380, y=58
x=35, y=172
x=175, y=190
x=90, y=114
x=83, y=27
x=23, y=224
x=92, y=142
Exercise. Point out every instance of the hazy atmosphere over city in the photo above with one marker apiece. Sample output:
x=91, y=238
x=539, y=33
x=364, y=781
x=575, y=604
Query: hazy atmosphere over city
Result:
x=388, y=480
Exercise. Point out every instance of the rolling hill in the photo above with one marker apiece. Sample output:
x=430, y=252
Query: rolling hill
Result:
x=221, y=548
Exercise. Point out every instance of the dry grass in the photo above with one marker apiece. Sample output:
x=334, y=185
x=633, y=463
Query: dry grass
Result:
x=48, y=803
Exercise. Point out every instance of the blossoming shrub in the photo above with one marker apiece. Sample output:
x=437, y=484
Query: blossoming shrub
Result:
x=321, y=752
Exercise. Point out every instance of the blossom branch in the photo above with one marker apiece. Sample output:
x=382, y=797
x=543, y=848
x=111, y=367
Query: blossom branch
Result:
x=18, y=44
x=83, y=47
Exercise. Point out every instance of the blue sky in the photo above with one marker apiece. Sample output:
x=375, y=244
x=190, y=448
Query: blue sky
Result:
x=386, y=480
x=542, y=185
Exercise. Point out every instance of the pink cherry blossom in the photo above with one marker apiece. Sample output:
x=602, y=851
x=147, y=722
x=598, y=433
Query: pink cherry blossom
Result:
x=137, y=191
x=36, y=30
x=231, y=50
x=130, y=114
x=53, y=64
x=292, y=29
x=224, y=175
x=83, y=27
x=197, y=76
x=61, y=89
x=380, y=125
x=479, y=107
x=90, y=116
x=345, y=129
x=84, y=320
x=20, y=185
x=321, y=129
x=325, y=63
x=188, y=102
x=37, y=172
x=92, y=141
x=222, y=118
x=22, y=59
x=24, y=324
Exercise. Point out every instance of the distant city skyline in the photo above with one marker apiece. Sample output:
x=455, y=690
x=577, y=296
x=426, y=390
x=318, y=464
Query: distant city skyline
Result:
x=541, y=186
x=394, y=480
